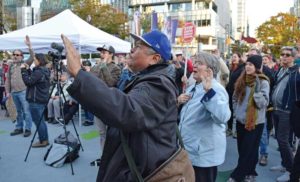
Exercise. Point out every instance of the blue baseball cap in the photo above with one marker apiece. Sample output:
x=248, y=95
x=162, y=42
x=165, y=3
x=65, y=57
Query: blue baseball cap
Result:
x=157, y=41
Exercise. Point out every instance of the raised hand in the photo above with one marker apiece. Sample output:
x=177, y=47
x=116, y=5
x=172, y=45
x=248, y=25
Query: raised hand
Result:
x=207, y=79
x=28, y=42
x=73, y=57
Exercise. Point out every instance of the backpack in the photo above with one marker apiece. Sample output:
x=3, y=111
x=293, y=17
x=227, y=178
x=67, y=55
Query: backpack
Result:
x=57, y=155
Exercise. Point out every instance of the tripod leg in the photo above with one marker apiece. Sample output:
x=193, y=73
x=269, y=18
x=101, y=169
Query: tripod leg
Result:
x=37, y=127
x=77, y=135
x=67, y=140
x=36, y=130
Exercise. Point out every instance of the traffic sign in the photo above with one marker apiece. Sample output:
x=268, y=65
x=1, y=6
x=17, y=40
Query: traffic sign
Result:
x=188, y=32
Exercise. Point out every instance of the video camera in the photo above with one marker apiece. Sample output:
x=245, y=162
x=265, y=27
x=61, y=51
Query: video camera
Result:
x=57, y=55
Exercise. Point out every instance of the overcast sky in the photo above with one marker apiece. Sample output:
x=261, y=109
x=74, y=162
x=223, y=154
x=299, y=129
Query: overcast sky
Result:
x=260, y=11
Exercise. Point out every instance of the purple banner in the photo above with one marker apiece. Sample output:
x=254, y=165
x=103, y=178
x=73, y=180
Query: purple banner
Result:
x=154, y=21
x=174, y=24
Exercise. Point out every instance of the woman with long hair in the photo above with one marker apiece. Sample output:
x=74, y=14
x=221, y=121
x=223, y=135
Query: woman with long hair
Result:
x=250, y=100
x=236, y=67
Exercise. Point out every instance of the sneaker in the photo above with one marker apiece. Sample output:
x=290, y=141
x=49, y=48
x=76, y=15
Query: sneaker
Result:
x=50, y=120
x=231, y=180
x=27, y=133
x=278, y=168
x=284, y=178
x=228, y=132
x=263, y=161
x=88, y=123
x=16, y=132
x=95, y=162
x=250, y=178
x=234, y=135
x=59, y=120
x=40, y=144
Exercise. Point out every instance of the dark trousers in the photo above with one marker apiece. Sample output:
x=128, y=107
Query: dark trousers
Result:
x=295, y=174
x=230, y=121
x=247, y=143
x=205, y=174
x=282, y=132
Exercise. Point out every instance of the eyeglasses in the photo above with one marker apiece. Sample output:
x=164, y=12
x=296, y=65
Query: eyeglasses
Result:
x=17, y=54
x=286, y=55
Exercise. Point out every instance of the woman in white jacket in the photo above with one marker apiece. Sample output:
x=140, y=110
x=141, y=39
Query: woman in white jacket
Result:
x=203, y=118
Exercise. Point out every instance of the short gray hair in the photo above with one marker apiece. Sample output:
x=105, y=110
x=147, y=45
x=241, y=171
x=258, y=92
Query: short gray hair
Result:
x=210, y=60
x=293, y=50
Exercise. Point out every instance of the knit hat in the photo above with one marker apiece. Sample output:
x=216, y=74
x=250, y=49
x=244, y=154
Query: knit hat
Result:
x=256, y=60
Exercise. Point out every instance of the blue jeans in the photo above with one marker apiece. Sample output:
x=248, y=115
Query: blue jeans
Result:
x=89, y=116
x=264, y=142
x=38, y=117
x=22, y=107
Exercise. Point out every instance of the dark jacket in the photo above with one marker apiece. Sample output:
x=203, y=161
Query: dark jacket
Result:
x=146, y=112
x=293, y=85
x=38, y=84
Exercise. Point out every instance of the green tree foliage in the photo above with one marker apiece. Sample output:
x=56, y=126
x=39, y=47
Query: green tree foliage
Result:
x=103, y=17
x=146, y=22
x=239, y=47
x=280, y=30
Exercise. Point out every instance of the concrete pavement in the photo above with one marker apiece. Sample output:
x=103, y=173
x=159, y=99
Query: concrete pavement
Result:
x=14, y=169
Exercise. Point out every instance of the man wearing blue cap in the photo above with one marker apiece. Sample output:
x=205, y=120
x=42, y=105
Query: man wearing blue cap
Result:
x=146, y=111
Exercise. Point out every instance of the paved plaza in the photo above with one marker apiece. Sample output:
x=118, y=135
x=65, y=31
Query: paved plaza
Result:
x=13, y=151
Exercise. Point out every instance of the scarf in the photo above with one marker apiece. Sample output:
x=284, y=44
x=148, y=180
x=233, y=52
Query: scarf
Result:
x=252, y=109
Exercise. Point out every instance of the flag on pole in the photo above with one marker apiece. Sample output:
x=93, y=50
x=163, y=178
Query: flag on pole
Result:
x=174, y=24
x=167, y=27
x=136, y=23
x=154, y=20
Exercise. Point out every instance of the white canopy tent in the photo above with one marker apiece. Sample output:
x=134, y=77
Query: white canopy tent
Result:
x=84, y=36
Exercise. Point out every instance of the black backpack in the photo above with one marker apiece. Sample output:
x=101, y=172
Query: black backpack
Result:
x=58, y=153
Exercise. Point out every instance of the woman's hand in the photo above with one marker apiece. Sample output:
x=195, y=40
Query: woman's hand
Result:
x=183, y=98
x=207, y=79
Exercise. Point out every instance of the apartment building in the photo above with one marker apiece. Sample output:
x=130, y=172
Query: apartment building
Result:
x=211, y=18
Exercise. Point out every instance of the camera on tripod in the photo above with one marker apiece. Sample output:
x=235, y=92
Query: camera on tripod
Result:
x=56, y=56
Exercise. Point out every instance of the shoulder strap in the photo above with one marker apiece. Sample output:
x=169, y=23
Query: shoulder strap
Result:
x=131, y=163
x=281, y=78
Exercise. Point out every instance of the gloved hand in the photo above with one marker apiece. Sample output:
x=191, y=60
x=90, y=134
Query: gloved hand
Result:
x=257, y=84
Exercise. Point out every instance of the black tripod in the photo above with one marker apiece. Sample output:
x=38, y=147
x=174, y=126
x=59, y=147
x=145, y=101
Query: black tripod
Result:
x=57, y=85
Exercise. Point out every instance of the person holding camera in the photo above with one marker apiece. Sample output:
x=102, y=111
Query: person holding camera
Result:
x=145, y=111
x=37, y=94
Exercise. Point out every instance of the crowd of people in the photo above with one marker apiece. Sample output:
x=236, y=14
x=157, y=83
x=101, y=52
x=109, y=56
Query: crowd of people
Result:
x=148, y=93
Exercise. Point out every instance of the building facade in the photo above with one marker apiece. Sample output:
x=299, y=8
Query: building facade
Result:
x=297, y=8
x=241, y=19
x=211, y=18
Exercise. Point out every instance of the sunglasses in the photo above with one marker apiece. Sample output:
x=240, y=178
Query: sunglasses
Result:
x=17, y=54
x=286, y=55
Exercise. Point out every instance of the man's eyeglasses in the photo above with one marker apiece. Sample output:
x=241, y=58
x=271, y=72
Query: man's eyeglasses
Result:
x=286, y=55
x=17, y=54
